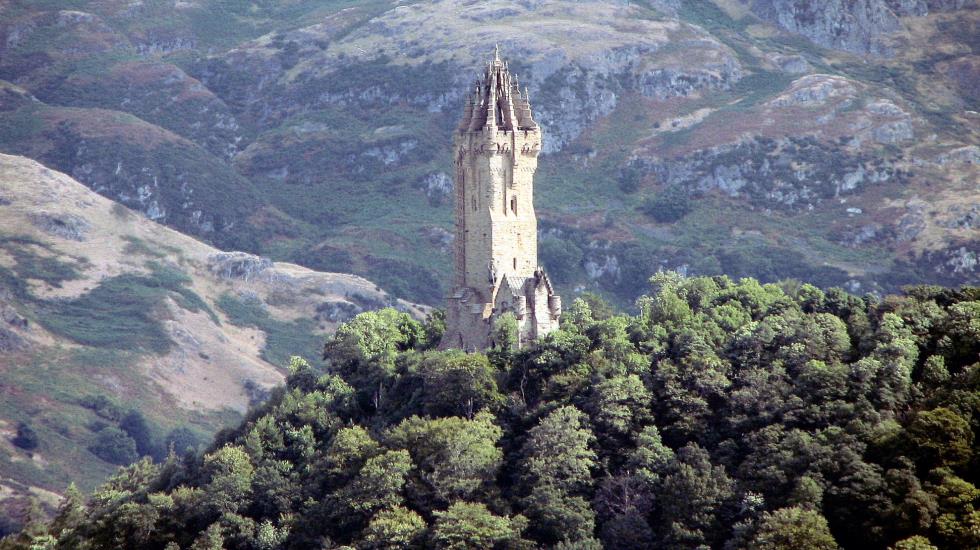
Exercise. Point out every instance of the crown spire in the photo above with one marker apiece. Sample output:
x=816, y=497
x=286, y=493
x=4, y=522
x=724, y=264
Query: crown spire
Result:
x=497, y=103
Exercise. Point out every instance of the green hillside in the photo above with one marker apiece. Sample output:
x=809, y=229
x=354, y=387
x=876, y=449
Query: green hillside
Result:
x=724, y=415
x=120, y=337
x=744, y=138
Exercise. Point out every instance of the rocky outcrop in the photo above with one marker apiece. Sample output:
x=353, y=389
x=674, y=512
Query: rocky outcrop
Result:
x=438, y=186
x=65, y=226
x=238, y=265
x=963, y=216
x=578, y=94
x=856, y=26
x=958, y=262
x=789, y=173
x=572, y=83
x=165, y=177
x=337, y=312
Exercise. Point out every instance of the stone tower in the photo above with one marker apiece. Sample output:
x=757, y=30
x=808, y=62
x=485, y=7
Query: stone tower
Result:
x=495, y=152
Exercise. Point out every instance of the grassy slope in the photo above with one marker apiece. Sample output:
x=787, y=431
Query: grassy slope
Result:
x=332, y=203
x=134, y=312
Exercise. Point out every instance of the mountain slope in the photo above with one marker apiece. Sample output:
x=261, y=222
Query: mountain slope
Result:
x=103, y=310
x=778, y=148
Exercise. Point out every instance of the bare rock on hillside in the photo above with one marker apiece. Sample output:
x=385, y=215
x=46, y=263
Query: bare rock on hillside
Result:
x=853, y=26
x=577, y=70
x=66, y=226
x=337, y=312
x=10, y=341
x=10, y=316
x=238, y=265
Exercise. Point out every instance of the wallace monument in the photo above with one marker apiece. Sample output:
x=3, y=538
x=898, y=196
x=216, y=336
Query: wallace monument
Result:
x=495, y=153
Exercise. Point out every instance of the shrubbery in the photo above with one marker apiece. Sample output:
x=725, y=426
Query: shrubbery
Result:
x=724, y=415
x=669, y=205
x=114, y=445
x=26, y=437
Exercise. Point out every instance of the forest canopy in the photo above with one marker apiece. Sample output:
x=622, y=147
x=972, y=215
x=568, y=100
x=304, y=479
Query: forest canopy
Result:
x=722, y=415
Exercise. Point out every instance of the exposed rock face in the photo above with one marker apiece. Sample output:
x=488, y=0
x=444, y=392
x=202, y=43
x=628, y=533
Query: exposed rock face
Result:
x=956, y=261
x=147, y=169
x=789, y=173
x=437, y=186
x=66, y=226
x=856, y=26
x=10, y=341
x=965, y=217
x=576, y=81
x=913, y=223
x=852, y=25
x=791, y=64
x=815, y=90
x=238, y=265
x=337, y=312
x=10, y=316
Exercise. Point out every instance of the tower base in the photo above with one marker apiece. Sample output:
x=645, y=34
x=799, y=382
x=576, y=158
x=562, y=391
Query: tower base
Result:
x=471, y=312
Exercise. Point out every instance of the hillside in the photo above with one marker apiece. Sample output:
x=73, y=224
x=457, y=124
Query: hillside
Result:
x=835, y=142
x=727, y=415
x=103, y=310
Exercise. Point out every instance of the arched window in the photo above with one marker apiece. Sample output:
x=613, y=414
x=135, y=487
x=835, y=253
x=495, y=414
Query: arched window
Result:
x=513, y=205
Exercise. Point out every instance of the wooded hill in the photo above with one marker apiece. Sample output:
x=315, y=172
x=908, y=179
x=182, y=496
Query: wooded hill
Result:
x=724, y=415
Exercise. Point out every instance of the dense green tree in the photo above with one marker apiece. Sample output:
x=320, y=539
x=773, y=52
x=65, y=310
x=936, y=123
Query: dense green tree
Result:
x=114, y=445
x=505, y=333
x=724, y=414
x=379, y=483
x=26, y=437
x=557, y=452
x=454, y=457
x=229, y=473
x=792, y=529
x=941, y=437
x=669, y=205
x=651, y=457
x=916, y=542
x=958, y=523
x=135, y=425
x=210, y=539
x=466, y=525
x=363, y=350
x=555, y=516
x=181, y=439
x=619, y=406
x=691, y=495
x=394, y=528
x=458, y=384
